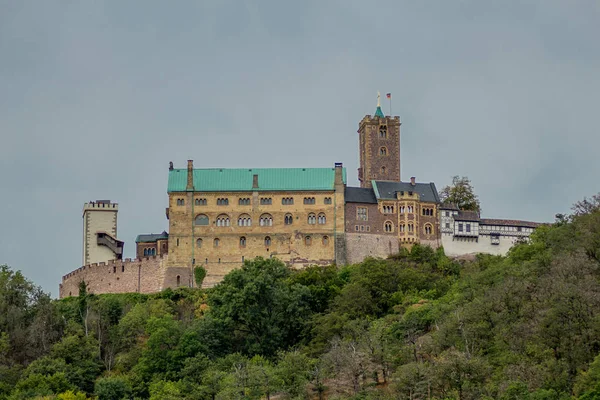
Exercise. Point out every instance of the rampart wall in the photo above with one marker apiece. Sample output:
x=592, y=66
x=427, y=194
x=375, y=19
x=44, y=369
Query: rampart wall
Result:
x=362, y=245
x=142, y=275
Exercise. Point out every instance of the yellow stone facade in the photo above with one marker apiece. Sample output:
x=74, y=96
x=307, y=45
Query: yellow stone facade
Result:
x=301, y=233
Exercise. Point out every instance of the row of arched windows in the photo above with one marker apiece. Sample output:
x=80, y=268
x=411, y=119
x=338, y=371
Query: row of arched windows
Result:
x=150, y=251
x=407, y=209
x=264, y=220
x=267, y=241
x=246, y=201
x=388, y=209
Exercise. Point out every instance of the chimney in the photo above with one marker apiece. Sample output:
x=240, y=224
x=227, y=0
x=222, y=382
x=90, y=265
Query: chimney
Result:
x=255, y=181
x=338, y=180
x=190, y=175
x=170, y=165
x=412, y=180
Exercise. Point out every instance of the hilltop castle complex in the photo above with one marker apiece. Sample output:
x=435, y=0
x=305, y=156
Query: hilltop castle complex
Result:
x=303, y=216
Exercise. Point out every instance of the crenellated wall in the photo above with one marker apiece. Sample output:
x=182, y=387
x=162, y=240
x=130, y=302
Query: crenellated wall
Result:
x=143, y=275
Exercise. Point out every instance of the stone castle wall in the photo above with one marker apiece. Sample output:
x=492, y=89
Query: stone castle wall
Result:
x=145, y=275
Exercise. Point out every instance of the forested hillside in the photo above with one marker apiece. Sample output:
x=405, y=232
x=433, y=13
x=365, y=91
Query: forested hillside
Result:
x=416, y=326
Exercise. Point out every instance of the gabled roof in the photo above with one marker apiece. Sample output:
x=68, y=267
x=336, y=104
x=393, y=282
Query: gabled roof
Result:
x=387, y=190
x=467, y=216
x=360, y=195
x=240, y=180
x=152, y=237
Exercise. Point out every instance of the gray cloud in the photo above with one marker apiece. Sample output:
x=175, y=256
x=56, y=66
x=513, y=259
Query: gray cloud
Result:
x=97, y=97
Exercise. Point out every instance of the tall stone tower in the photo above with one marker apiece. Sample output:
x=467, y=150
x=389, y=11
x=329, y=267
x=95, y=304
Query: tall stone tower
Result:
x=100, y=242
x=379, y=148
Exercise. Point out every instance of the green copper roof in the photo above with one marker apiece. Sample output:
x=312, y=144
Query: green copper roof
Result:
x=240, y=180
x=378, y=112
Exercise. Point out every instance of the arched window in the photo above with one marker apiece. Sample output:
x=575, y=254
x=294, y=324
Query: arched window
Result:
x=243, y=241
x=312, y=219
x=201, y=219
x=428, y=229
x=145, y=252
x=382, y=170
x=266, y=220
x=288, y=219
x=223, y=220
x=402, y=227
x=178, y=280
x=244, y=220
x=322, y=219
x=383, y=151
x=411, y=227
x=198, y=243
x=325, y=240
x=153, y=251
x=216, y=242
x=267, y=241
x=307, y=240
x=388, y=226
x=383, y=132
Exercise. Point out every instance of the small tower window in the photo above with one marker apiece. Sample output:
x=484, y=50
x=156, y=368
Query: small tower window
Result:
x=325, y=240
x=383, y=151
x=267, y=241
x=243, y=241
x=388, y=227
x=223, y=220
x=322, y=219
x=199, y=243
x=244, y=220
x=288, y=219
x=428, y=229
x=216, y=242
x=383, y=132
x=266, y=220
x=178, y=280
x=382, y=170
x=180, y=202
x=201, y=220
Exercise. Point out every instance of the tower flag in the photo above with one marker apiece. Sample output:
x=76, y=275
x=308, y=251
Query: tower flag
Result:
x=389, y=96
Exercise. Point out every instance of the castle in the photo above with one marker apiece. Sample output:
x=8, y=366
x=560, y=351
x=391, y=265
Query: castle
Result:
x=303, y=216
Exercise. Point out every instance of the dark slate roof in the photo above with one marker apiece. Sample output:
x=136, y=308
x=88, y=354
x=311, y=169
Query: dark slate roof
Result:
x=449, y=206
x=467, y=216
x=360, y=195
x=387, y=190
x=152, y=237
x=510, y=222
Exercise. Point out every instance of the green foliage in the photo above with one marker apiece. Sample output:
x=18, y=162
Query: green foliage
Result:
x=461, y=194
x=417, y=325
x=199, y=275
x=264, y=313
x=112, y=388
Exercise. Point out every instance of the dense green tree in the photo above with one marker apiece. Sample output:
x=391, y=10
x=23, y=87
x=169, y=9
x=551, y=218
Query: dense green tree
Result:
x=461, y=194
x=112, y=388
x=264, y=312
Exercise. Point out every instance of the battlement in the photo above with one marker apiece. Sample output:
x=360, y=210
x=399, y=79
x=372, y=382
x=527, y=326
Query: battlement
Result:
x=111, y=264
x=141, y=275
x=106, y=205
x=372, y=118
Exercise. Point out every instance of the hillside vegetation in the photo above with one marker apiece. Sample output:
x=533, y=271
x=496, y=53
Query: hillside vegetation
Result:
x=415, y=326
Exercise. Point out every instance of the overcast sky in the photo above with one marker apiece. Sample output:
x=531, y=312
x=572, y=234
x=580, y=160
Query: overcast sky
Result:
x=97, y=97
